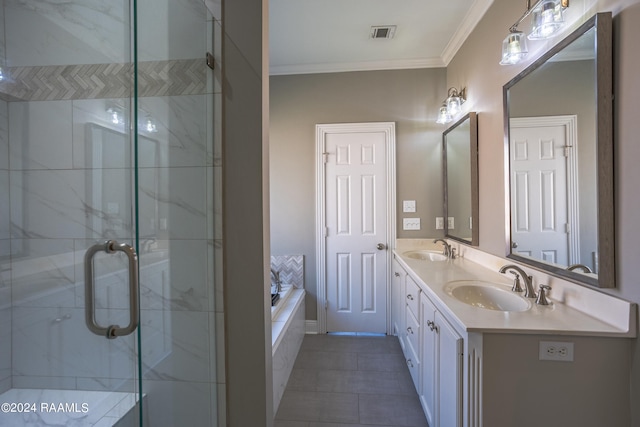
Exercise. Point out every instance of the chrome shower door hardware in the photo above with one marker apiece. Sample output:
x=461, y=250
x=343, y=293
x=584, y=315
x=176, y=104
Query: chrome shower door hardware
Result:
x=111, y=331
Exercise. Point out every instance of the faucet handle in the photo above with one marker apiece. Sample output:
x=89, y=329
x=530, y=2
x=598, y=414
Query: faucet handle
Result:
x=542, y=297
x=516, y=282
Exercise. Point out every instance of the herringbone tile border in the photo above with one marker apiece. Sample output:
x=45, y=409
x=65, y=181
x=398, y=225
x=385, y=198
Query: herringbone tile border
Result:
x=98, y=81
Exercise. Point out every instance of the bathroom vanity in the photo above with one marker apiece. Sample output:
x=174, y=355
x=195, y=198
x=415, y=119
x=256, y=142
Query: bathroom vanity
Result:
x=482, y=355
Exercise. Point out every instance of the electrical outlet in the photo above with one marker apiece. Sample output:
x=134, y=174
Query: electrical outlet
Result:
x=558, y=351
x=439, y=223
x=450, y=223
x=411, y=223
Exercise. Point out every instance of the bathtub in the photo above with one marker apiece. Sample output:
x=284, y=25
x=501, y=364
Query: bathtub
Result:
x=287, y=331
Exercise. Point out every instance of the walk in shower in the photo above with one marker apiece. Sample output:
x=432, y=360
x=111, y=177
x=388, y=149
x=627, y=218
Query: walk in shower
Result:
x=107, y=112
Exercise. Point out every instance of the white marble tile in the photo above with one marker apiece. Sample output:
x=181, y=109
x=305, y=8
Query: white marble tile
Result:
x=5, y=335
x=43, y=274
x=287, y=336
x=176, y=194
x=4, y=128
x=186, y=339
x=220, y=348
x=70, y=203
x=97, y=141
x=74, y=32
x=54, y=342
x=181, y=138
x=174, y=403
x=215, y=8
x=84, y=408
x=179, y=283
x=5, y=219
x=181, y=35
x=40, y=136
x=39, y=382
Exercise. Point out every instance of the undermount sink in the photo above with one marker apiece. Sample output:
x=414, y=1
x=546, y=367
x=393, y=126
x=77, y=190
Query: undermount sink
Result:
x=487, y=295
x=426, y=255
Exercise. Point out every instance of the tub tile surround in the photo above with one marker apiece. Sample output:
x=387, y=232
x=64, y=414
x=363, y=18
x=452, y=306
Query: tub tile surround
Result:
x=287, y=332
x=291, y=269
x=576, y=309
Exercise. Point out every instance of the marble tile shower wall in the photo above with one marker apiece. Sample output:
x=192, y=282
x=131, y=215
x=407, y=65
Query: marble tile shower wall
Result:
x=62, y=187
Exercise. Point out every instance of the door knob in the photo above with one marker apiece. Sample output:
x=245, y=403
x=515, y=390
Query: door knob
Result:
x=514, y=245
x=381, y=246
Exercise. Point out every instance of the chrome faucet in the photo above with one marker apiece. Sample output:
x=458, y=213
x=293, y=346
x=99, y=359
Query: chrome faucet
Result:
x=446, y=251
x=582, y=267
x=275, y=278
x=528, y=280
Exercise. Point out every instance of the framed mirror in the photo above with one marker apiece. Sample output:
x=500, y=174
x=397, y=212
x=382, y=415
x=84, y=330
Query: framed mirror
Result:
x=460, y=166
x=559, y=139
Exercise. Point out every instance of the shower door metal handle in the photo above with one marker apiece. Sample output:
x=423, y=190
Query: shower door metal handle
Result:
x=111, y=331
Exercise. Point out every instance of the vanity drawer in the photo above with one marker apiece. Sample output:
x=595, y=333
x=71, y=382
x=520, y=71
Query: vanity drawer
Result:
x=412, y=295
x=413, y=329
x=414, y=365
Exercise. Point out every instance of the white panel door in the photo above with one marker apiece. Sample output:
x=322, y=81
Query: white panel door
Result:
x=356, y=230
x=539, y=193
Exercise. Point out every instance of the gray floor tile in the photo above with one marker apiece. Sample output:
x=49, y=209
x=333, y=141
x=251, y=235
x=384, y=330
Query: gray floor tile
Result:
x=341, y=425
x=303, y=379
x=326, y=360
x=381, y=409
x=386, y=362
x=285, y=423
x=317, y=406
x=362, y=382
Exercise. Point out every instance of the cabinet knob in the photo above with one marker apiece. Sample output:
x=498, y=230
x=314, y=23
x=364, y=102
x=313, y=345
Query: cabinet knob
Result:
x=410, y=297
x=409, y=330
x=431, y=324
x=397, y=274
x=409, y=363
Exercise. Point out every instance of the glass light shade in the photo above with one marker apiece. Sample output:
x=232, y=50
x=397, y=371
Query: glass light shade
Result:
x=444, y=116
x=514, y=48
x=546, y=21
x=453, y=104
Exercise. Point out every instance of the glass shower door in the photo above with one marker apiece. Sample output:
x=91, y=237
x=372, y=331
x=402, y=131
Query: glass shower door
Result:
x=107, y=146
x=67, y=183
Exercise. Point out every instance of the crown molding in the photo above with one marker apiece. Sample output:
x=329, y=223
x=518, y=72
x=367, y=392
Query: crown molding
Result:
x=341, y=67
x=471, y=19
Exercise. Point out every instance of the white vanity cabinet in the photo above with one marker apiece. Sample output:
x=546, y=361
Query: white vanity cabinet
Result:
x=398, y=301
x=442, y=349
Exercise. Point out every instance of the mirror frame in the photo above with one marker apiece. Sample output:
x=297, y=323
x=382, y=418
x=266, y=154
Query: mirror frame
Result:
x=602, y=22
x=475, y=199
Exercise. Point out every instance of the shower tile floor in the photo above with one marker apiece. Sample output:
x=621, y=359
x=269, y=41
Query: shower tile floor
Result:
x=350, y=381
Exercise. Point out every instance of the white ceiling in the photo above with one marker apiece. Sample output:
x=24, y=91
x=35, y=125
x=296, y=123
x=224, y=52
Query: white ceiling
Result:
x=319, y=36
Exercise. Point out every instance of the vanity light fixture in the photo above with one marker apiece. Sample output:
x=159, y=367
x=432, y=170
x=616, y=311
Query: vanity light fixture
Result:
x=116, y=114
x=547, y=20
x=452, y=105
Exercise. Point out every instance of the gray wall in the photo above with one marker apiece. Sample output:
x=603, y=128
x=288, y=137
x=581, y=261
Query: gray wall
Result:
x=410, y=98
x=481, y=52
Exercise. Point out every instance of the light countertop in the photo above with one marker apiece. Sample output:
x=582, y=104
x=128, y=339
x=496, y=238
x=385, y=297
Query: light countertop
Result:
x=615, y=317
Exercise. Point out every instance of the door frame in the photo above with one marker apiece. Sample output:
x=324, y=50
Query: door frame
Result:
x=322, y=130
x=570, y=123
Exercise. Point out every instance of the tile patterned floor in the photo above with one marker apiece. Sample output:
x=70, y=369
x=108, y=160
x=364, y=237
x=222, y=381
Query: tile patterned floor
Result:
x=350, y=381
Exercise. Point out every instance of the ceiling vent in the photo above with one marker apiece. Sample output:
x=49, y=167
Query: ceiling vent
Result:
x=383, y=32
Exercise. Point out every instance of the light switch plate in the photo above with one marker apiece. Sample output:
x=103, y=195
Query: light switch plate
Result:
x=409, y=206
x=439, y=223
x=450, y=223
x=411, y=223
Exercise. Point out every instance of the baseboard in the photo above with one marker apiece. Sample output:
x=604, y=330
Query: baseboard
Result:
x=311, y=326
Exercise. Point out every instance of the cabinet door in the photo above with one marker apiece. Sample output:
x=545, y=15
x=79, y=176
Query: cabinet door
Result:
x=449, y=374
x=429, y=352
x=397, y=300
